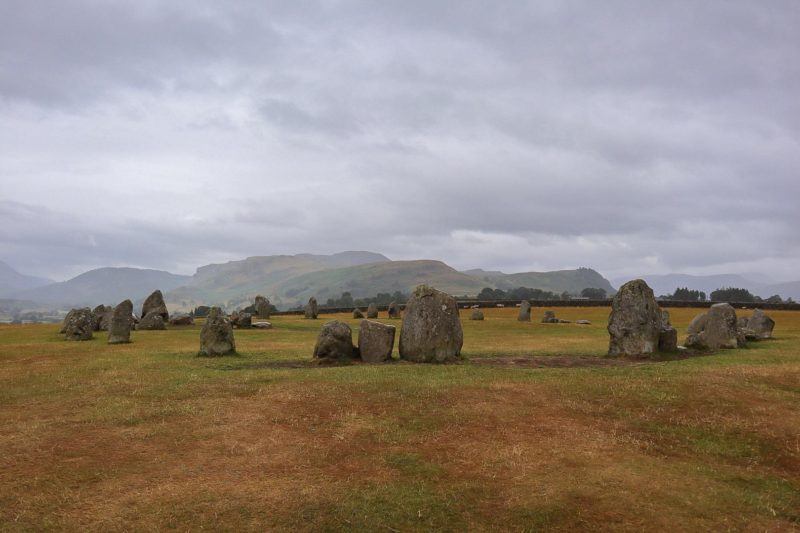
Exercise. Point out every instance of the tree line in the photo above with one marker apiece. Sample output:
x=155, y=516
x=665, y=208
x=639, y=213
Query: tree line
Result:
x=725, y=294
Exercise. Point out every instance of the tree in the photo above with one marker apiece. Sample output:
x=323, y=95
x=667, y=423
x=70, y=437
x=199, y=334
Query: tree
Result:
x=732, y=294
x=684, y=294
x=774, y=299
x=594, y=293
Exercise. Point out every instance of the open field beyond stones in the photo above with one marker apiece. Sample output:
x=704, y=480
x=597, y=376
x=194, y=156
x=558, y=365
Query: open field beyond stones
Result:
x=147, y=436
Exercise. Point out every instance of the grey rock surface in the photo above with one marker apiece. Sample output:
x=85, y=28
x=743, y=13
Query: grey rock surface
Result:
x=635, y=321
x=715, y=329
x=335, y=342
x=431, y=329
x=311, y=310
x=216, y=335
x=119, y=331
x=375, y=341
x=79, y=325
x=155, y=304
x=152, y=321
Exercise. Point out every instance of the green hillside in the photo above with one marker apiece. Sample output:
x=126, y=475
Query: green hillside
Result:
x=558, y=281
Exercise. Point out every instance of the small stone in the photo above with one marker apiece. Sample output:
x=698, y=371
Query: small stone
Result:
x=79, y=325
x=357, y=313
x=583, y=322
x=477, y=314
x=262, y=325
x=181, y=320
x=152, y=321
x=375, y=341
x=393, y=310
x=760, y=325
x=549, y=318
x=244, y=321
x=335, y=342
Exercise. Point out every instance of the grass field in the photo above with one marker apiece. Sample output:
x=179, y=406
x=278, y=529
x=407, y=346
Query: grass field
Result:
x=147, y=436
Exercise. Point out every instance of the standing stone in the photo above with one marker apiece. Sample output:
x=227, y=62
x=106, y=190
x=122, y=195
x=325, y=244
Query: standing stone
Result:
x=714, y=329
x=244, y=321
x=393, y=310
x=152, y=321
x=635, y=320
x=375, y=341
x=667, y=335
x=335, y=342
x=155, y=304
x=549, y=318
x=101, y=316
x=216, y=335
x=759, y=326
x=119, y=330
x=263, y=307
x=67, y=320
x=524, y=311
x=431, y=330
x=79, y=325
x=357, y=313
x=477, y=314
x=181, y=320
x=311, y=309
x=372, y=311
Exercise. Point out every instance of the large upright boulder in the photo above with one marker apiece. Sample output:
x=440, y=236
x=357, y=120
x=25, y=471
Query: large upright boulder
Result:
x=524, y=311
x=155, y=304
x=216, y=335
x=372, y=311
x=357, y=313
x=119, y=329
x=635, y=321
x=375, y=341
x=335, y=342
x=759, y=326
x=311, y=310
x=715, y=329
x=393, y=311
x=244, y=320
x=263, y=307
x=431, y=329
x=477, y=314
x=79, y=325
x=152, y=321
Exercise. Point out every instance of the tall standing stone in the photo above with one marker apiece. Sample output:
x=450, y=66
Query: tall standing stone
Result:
x=635, y=320
x=431, y=329
x=79, y=325
x=155, y=304
x=335, y=342
x=263, y=307
x=216, y=335
x=393, y=310
x=311, y=310
x=715, y=329
x=375, y=341
x=372, y=311
x=524, y=311
x=119, y=329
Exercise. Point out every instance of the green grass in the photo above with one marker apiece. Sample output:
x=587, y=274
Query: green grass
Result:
x=148, y=436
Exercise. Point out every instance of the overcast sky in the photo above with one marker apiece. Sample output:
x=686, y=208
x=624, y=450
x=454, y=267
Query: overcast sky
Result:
x=632, y=137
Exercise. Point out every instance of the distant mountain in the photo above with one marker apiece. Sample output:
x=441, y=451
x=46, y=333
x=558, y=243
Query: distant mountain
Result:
x=368, y=280
x=239, y=281
x=12, y=282
x=104, y=286
x=558, y=281
x=667, y=283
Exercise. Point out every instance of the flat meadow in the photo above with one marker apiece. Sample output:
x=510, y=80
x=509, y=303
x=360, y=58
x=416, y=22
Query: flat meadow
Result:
x=146, y=436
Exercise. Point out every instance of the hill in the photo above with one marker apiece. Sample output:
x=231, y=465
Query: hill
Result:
x=558, y=281
x=235, y=282
x=104, y=285
x=368, y=280
x=13, y=282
